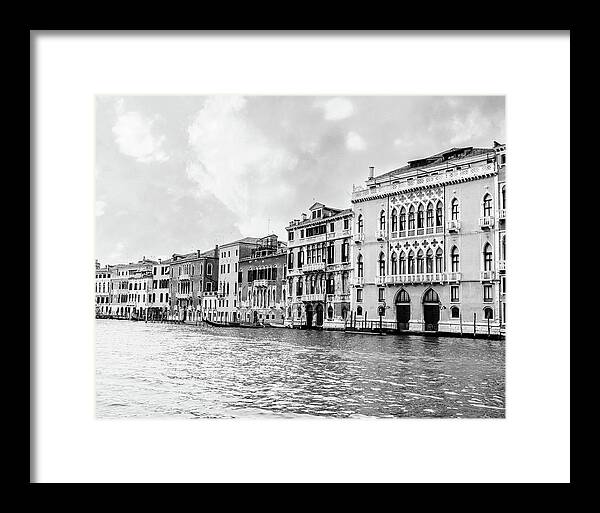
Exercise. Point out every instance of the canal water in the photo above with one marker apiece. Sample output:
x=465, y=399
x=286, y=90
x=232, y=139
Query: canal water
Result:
x=166, y=370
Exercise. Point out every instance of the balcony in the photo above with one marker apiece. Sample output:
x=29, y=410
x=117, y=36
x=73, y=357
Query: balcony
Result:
x=263, y=283
x=342, y=297
x=313, y=297
x=359, y=237
x=501, y=265
x=486, y=223
x=358, y=282
x=294, y=272
x=502, y=214
x=453, y=277
x=453, y=226
x=488, y=275
x=381, y=235
x=184, y=276
x=346, y=233
x=340, y=266
x=183, y=295
x=380, y=280
x=318, y=266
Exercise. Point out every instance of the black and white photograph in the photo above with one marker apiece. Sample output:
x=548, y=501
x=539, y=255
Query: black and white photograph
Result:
x=281, y=256
x=300, y=256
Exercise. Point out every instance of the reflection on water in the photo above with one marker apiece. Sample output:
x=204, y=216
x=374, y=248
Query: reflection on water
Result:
x=157, y=370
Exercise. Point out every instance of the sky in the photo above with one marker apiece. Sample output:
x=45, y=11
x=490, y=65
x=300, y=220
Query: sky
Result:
x=179, y=173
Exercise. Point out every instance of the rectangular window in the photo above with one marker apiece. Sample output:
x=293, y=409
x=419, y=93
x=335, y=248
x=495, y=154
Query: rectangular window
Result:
x=359, y=295
x=290, y=235
x=381, y=294
x=487, y=293
x=454, y=295
x=301, y=234
x=346, y=224
x=332, y=227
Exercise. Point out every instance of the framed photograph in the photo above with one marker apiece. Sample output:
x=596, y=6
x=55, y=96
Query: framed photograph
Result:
x=287, y=257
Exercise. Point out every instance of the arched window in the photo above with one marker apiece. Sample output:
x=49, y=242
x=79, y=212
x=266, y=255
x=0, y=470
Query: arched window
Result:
x=360, y=266
x=431, y=297
x=360, y=223
x=487, y=257
x=487, y=205
x=209, y=269
x=359, y=310
x=291, y=261
x=381, y=264
x=300, y=258
x=504, y=247
x=455, y=213
x=504, y=196
x=439, y=213
x=330, y=312
x=403, y=297
x=411, y=262
x=429, y=261
x=430, y=215
x=402, y=219
x=394, y=271
x=420, y=262
x=439, y=259
x=454, y=257
x=394, y=220
x=344, y=312
x=420, y=216
x=454, y=312
x=299, y=311
x=382, y=220
x=411, y=218
x=402, y=263
x=488, y=313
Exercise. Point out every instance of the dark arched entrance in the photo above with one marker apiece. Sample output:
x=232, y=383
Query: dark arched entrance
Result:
x=402, y=310
x=431, y=310
x=319, y=322
x=309, y=315
x=255, y=316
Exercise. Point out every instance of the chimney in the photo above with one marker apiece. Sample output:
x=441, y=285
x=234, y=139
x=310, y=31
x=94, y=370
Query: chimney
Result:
x=371, y=172
x=303, y=216
x=216, y=251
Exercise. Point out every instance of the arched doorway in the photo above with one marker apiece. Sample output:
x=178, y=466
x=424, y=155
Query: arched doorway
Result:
x=319, y=322
x=309, y=315
x=431, y=310
x=402, y=310
x=255, y=317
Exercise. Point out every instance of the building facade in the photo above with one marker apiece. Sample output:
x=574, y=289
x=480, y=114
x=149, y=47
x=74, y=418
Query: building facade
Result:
x=230, y=277
x=261, y=296
x=319, y=268
x=102, y=288
x=429, y=244
x=160, y=291
x=192, y=275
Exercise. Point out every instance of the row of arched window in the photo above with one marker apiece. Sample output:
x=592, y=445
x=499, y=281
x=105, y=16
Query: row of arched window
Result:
x=423, y=261
x=429, y=216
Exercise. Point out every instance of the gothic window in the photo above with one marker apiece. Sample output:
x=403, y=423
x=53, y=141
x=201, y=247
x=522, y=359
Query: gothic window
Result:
x=487, y=205
x=431, y=297
x=420, y=262
x=290, y=261
x=403, y=297
x=439, y=256
x=394, y=264
x=454, y=257
x=429, y=261
x=381, y=264
x=411, y=218
x=411, y=263
x=402, y=219
x=360, y=266
x=382, y=220
x=487, y=257
x=394, y=220
x=330, y=312
x=455, y=212
x=420, y=214
x=430, y=215
x=402, y=263
x=438, y=214
x=360, y=223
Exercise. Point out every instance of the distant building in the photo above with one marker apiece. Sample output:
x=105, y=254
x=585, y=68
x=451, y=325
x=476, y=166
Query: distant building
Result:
x=192, y=275
x=161, y=288
x=429, y=244
x=230, y=277
x=261, y=296
x=319, y=268
x=102, y=288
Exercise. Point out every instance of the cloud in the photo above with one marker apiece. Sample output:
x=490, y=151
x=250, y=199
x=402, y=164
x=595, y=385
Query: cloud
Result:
x=100, y=205
x=134, y=135
x=337, y=108
x=236, y=162
x=355, y=142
